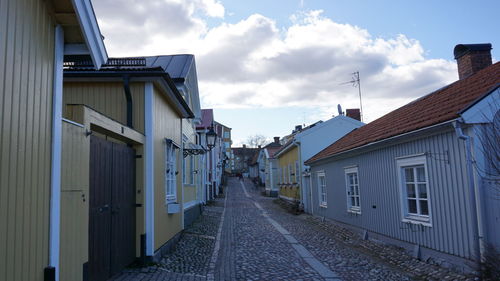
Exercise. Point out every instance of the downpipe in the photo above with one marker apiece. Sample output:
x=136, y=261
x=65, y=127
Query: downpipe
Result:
x=473, y=190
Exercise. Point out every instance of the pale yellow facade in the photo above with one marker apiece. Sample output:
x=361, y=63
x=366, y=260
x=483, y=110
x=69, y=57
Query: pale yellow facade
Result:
x=108, y=98
x=74, y=201
x=167, y=124
x=26, y=80
x=289, y=175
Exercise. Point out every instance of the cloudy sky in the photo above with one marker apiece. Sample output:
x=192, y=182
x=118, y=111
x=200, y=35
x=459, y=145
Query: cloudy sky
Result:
x=268, y=65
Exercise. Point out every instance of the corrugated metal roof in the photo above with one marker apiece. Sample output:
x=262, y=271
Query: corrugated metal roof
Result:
x=177, y=66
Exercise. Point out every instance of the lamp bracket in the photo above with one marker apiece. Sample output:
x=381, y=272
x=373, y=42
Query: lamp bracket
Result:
x=193, y=151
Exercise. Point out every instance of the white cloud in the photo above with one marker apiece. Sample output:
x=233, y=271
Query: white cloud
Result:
x=255, y=63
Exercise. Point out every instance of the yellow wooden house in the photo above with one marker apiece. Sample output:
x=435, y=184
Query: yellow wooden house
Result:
x=35, y=35
x=127, y=122
x=289, y=176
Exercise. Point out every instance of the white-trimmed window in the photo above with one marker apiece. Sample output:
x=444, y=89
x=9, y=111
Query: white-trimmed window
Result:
x=322, y=189
x=170, y=173
x=191, y=169
x=279, y=174
x=414, y=187
x=290, y=173
x=284, y=174
x=297, y=174
x=352, y=190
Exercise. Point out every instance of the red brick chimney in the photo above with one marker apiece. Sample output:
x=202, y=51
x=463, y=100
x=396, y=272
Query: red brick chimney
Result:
x=354, y=113
x=471, y=58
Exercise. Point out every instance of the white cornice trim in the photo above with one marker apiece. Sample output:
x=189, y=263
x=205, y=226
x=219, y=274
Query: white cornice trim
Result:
x=91, y=32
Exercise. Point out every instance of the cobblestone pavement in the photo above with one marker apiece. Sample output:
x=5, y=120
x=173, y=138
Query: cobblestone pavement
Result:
x=253, y=238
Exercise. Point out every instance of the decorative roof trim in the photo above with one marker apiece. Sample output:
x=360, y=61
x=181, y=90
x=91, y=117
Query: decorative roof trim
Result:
x=90, y=29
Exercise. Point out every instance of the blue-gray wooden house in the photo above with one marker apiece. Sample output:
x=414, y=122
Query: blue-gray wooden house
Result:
x=423, y=176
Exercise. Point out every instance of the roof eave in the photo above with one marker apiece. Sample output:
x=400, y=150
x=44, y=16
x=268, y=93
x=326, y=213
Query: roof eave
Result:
x=90, y=30
x=184, y=107
x=382, y=141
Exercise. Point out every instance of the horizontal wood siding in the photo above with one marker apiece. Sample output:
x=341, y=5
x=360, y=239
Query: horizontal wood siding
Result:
x=26, y=78
x=74, y=202
x=451, y=230
x=109, y=99
x=167, y=124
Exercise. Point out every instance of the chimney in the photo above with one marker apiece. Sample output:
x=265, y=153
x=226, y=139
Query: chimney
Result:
x=354, y=113
x=298, y=128
x=471, y=58
x=259, y=146
x=244, y=146
x=277, y=140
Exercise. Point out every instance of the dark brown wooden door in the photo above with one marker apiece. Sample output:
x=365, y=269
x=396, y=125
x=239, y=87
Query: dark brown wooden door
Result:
x=112, y=208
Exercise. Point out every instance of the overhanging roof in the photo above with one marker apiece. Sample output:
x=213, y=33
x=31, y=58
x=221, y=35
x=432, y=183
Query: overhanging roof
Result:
x=81, y=31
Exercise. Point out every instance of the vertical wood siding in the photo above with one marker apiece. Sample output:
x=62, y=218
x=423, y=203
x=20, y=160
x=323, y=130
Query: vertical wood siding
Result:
x=451, y=230
x=74, y=202
x=109, y=99
x=26, y=67
x=167, y=125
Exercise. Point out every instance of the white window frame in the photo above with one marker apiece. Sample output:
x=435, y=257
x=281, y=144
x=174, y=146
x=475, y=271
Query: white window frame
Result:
x=322, y=195
x=413, y=162
x=355, y=187
x=170, y=173
x=283, y=174
x=279, y=175
x=191, y=169
x=290, y=172
x=297, y=178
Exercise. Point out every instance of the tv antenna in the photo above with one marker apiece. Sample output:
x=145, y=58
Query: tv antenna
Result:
x=356, y=82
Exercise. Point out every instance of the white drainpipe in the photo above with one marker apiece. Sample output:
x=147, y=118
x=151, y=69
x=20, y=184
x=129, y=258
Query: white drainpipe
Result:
x=56, y=146
x=473, y=191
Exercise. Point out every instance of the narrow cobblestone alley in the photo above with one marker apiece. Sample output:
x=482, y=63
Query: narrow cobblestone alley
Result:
x=246, y=236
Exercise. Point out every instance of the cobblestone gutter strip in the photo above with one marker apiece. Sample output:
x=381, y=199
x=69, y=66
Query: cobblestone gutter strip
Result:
x=215, y=254
x=352, y=251
x=318, y=266
x=393, y=255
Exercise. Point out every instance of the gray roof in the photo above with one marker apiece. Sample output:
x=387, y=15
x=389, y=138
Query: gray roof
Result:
x=177, y=66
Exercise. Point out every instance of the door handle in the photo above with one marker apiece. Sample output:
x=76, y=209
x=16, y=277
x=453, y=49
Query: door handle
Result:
x=104, y=208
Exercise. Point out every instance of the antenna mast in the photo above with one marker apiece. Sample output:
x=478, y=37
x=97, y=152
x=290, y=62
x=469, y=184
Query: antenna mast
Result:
x=356, y=82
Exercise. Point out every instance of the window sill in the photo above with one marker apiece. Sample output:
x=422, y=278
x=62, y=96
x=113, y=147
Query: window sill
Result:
x=171, y=200
x=354, y=211
x=323, y=206
x=417, y=220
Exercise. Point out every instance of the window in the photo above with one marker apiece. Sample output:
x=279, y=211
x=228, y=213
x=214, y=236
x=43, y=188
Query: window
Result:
x=297, y=174
x=414, y=189
x=279, y=174
x=191, y=169
x=184, y=170
x=283, y=173
x=170, y=173
x=226, y=135
x=290, y=173
x=322, y=189
x=352, y=190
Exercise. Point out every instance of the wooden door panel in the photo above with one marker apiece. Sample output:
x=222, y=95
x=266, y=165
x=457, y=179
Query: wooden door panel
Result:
x=123, y=211
x=99, y=209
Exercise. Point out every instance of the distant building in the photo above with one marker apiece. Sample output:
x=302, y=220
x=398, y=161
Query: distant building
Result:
x=242, y=158
x=303, y=143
